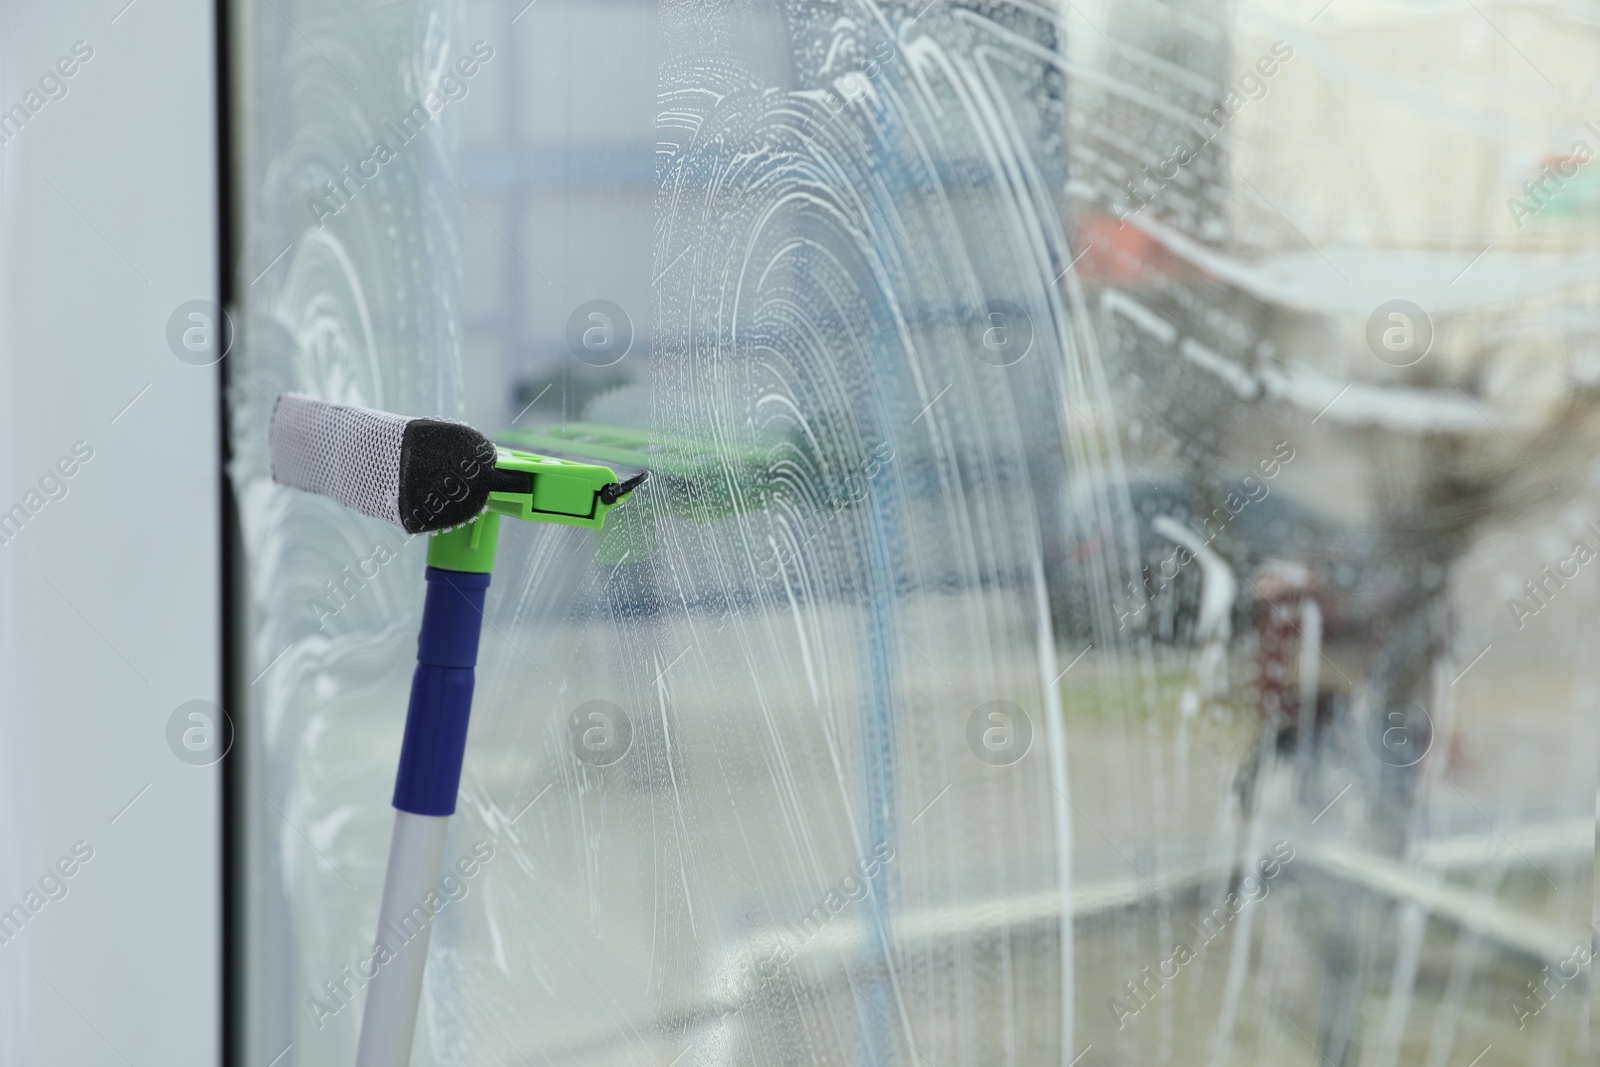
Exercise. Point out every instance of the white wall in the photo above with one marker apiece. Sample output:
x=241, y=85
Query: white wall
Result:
x=108, y=596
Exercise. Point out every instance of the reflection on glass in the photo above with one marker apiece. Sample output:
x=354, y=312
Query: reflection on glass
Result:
x=1117, y=576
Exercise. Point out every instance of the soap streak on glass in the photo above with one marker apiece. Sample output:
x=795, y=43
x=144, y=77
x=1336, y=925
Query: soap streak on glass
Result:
x=992, y=356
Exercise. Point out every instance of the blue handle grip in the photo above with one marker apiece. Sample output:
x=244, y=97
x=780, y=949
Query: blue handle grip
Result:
x=441, y=693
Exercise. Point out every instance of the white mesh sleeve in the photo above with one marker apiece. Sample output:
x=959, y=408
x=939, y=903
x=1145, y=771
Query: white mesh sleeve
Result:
x=350, y=454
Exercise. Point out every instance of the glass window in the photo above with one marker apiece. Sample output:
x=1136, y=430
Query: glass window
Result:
x=1117, y=576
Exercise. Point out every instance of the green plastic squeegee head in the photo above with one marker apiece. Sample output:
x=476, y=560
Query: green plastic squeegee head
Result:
x=563, y=491
x=681, y=463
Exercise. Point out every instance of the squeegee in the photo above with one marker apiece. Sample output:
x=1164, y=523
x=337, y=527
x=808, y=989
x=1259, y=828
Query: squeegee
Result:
x=443, y=478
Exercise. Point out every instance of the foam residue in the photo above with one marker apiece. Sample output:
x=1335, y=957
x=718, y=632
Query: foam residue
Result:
x=1020, y=596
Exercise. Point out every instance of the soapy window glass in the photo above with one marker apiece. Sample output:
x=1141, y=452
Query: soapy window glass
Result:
x=1119, y=576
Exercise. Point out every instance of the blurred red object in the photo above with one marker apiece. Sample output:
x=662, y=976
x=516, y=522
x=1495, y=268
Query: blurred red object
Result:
x=1121, y=253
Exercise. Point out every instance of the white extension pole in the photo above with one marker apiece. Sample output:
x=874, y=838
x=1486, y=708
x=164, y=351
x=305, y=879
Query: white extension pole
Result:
x=416, y=853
